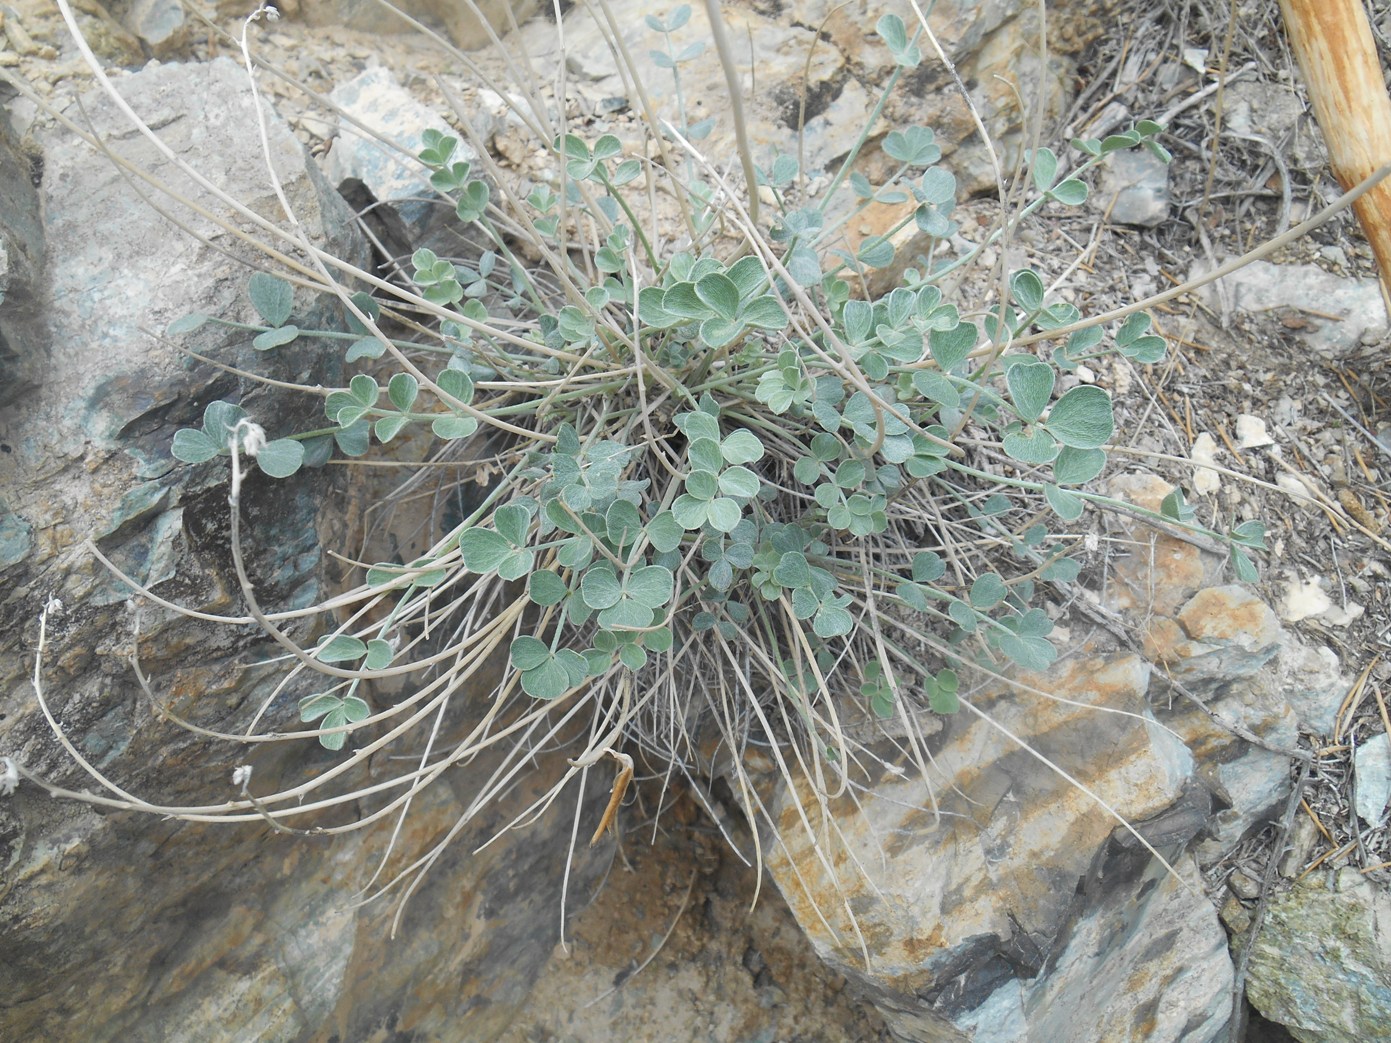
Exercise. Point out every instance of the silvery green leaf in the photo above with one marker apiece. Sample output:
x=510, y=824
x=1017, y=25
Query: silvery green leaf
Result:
x=651, y=585
x=364, y=348
x=340, y=648
x=1037, y=447
x=187, y=324
x=549, y=680
x=451, y=427
x=280, y=458
x=1078, y=466
x=600, y=588
x=272, y=297
x=724, y=513
x=1031, y=388
x=402, y=391
x=1027, y=290
x=379, y=655
x=546, y=588
x=1045, y=169
x=718, y=293
x=665, y=532
x=193, y=447
x=512, y=522
x=1082, y=418
x=388, y=427
x=741, y=447
x=1065, y=505
x=483, y=549
x=1070, y=192
x=988, y=591
x=739, y=482
x=876, y=252
x=950, y=347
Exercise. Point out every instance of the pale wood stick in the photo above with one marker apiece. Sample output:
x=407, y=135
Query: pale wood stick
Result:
x=1333, y=43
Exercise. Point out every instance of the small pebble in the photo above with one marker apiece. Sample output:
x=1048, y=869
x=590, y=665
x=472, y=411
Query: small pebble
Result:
x=1303, y=598
x=1251, y=432
x=1244, y=886
x=1205, y=480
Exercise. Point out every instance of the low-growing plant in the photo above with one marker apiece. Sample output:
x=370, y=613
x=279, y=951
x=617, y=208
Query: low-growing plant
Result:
x=737, y=498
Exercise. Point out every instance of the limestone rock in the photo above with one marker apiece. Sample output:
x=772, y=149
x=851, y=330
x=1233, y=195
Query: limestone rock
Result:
x=1134, y=190
x=86, y=455
x=1024, y=912
x=161, y=24
x=823, y=63
x=125, y=926
x=675, y=948
x=457, y=21
x=1262, y=286
x=389, y=172
x=1321, y=965
x=1372, y=774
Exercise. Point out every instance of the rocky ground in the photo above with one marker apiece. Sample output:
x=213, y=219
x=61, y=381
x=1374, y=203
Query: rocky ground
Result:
x=1279, y=374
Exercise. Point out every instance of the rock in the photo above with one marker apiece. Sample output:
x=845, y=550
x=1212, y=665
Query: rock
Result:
x=1251, y=432
x=21, y=269
x=1311, y=683
x=1024, y=912
x=134, y=926
x=36, y=29
x=681, y=946
x=86, y=454
x=161, y=24
x=1372, y=777
x=460, y=25
x=1304, y=598
x=830, y=57
x=782, y=49
x=1321, y=965
x=390, y=172
x=1311, y=293
x=1134, y=189
x=1223, y=646
x=1272, y=112
x=983, y=925
x=1204, y=455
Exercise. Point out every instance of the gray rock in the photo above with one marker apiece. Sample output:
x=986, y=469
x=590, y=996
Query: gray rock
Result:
x=460, y=25
x=21, y=268
x=161, y=24
x=87, y=455
x=1024, y=913
x=1311, y=292
x=1109, y=988
x=829, y=56
x=126, y=926
x=1372, y=777
x=1134, y=189
x=1225, y=646
x=389, y=172
x=986, y=924
x=1321, y=965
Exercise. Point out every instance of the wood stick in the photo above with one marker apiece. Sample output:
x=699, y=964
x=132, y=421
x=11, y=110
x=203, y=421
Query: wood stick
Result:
x=1333, y=43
